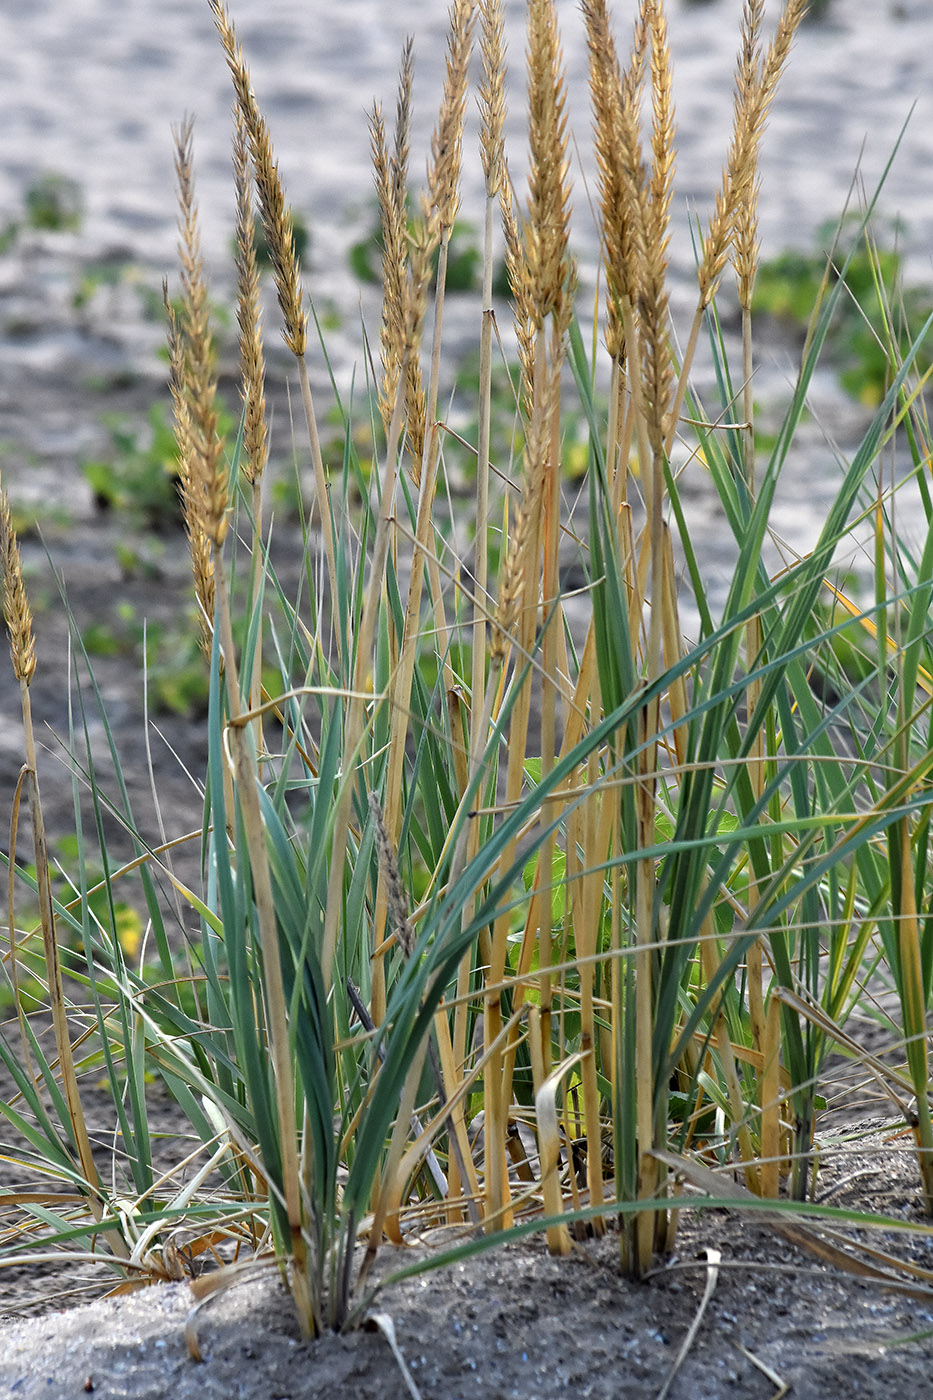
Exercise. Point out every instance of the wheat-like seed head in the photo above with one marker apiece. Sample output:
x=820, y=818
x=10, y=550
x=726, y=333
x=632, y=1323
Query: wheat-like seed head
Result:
x=199, y=545
x=746, y=246
x=443, y=196
x=207, y=483
x=249, y=318
x=492, y=95
x=390, y=192
x=516, y=266
x=617, y=110
x=607, y=97
x=401, y=144
x=396, y=900
x=16, y=610
x=518, y=568
x=547, y=230
x=391, y=176
x=653, y=307
x=736, y=201
x=276, y=217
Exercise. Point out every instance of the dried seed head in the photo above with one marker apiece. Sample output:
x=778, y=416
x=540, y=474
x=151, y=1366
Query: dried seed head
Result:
x=202, y=559
x=276, y=217
x=249, y=318
x=520, y=568
x=207, y=482
x=492, y=95
x=16, y=610
x=396, y=900
x=653, y=302
x=606, y=93
x=443, y=198
x=391, y=175
x=756, y=84
x=519, y=276
x=547, y=229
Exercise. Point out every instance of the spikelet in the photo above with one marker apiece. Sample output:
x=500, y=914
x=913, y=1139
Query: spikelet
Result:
x=395, y=891
x=252, y=360
x=16, y=611
x=606, y=93
x=442, y=200
x=199, y=546
x=523, y=306
x=276, y=217
x=515, y=571
x=745, y=221
x=391, y=176
x=658, y=370
x=547, y=229
x=492, y=96
x=754, y=92
x=206, y=484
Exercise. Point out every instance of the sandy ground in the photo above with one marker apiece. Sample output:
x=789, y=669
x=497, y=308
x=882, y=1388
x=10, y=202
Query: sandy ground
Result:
x=517, y=1324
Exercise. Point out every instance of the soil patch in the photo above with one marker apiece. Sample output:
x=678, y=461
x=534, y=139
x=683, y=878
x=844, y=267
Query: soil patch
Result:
x=516, y=1322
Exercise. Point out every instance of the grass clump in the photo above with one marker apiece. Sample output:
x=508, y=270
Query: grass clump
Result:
x=472, y=857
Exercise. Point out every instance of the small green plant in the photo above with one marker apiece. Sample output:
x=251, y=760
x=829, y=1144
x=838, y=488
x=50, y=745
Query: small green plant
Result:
x=139, y=476
x=464, y=265
x=54, y=203
x=876, y=306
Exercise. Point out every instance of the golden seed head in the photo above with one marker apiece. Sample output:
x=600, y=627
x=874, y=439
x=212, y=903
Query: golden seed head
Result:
x=391, y=176
x=443, y=199
x=207, y=475
x=249, y=318
x=516, y=267
x=547, y=229
x=492, y=95
x=199, y=545
x=16, y=610
x=755, y=87
x=276, y=217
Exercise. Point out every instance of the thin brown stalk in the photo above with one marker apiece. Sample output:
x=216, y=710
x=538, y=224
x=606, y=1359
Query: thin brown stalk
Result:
x=550, y=273
x=355, y=721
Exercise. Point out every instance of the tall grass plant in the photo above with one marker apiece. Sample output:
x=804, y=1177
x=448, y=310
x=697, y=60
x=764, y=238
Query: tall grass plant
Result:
x=504, y=921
